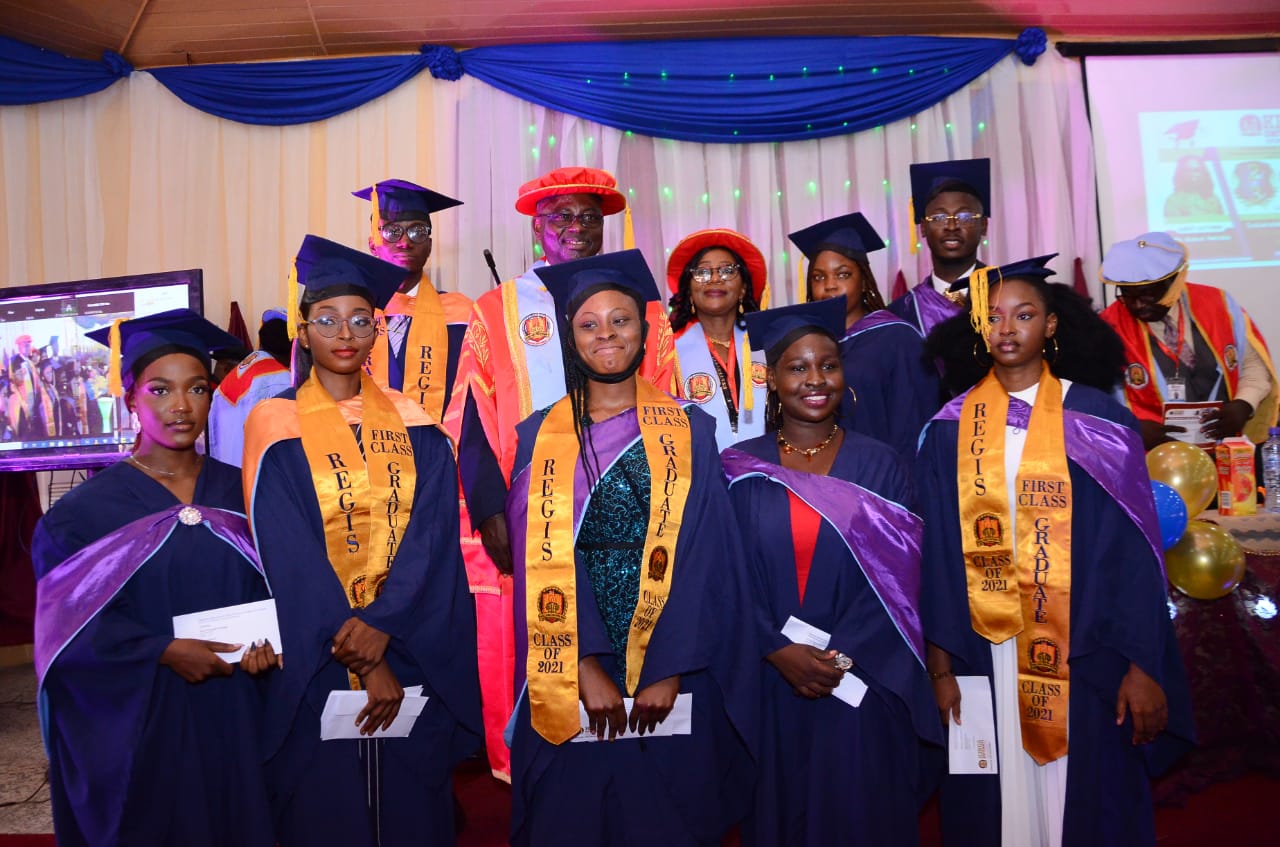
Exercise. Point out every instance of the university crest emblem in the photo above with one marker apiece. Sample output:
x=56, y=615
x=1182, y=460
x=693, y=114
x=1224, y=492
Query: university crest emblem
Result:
x=658, y=561
x=1136, y=375
x=759, y=374
x=1044, y=656
x=699, y=387
x=1230, y=357
x=988, y=531
x=535, y=330
x=551, y=605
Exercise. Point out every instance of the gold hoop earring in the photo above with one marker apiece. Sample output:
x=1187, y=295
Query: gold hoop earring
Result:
x=740, y=308
x=977, y=354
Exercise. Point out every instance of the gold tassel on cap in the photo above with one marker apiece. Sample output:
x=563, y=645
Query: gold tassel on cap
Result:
x=628, y=230
x=115, y=383
x=980, y=304
x=375, y=220
x=292, y=298
x=912, y=235
x=765, y=295
x=802, y=282
x=745, y=381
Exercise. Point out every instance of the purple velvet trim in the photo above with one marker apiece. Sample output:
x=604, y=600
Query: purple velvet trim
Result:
x=70, y=595
x=880, y=534
x=1109, y=452
x=875, y=320
x=932, y=307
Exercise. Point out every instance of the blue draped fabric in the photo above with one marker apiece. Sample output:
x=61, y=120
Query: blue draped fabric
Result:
x=740, y=90
x=285, y=93
x=726, y=91
x=31, y=74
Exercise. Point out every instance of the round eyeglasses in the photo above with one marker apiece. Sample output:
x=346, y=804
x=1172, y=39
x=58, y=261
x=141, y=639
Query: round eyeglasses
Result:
x=361, y=326
x=418, y=233
x=703, y=275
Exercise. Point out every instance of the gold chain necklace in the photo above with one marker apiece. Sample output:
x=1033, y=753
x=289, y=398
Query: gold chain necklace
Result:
x=157, y=471
x=788, y=448
x=722, y=344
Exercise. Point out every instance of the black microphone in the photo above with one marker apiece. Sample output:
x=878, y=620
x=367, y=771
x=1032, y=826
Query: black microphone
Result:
x=493, y=267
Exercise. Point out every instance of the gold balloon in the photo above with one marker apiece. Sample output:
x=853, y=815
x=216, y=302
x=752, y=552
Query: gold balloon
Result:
x=1207, y=563
x=1188, y=470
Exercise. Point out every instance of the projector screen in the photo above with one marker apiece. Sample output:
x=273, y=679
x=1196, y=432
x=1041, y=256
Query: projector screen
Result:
x=1191, y=145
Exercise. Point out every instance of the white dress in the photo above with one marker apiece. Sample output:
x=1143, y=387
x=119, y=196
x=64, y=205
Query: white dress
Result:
x=1032, y=796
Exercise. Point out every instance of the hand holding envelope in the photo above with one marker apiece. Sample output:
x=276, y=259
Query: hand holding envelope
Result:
x=242, y=625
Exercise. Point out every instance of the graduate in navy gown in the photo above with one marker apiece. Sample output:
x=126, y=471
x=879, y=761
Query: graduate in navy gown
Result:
x=892, y=388
x=831, y=542
x=951, y=203
x=1043, y=574
x=151, y=739
x=628, y=585
x=353, y=503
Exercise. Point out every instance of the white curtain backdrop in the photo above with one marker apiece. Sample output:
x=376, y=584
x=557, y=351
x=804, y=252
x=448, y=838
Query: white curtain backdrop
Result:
x=132, y=180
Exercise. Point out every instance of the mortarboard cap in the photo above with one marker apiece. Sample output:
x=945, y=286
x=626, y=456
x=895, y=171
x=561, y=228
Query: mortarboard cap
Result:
x=571, y=181
x=682, y=254
x=273, y=315
x=569, y=281
x=132, y=339
x=1033, y=268
x=322, y=263
x=770, y=328
x=852, y=232
x=1151, y=257
x=399, y=199
x=929, y=179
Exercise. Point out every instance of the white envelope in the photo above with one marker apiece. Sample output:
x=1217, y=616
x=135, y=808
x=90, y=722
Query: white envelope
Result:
x=679, y=722
x=242, y=624
x=851, y=689
x=338, y=721
x=971, y=746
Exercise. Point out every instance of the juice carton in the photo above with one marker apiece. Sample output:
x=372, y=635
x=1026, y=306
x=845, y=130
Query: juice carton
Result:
x=1237, y=483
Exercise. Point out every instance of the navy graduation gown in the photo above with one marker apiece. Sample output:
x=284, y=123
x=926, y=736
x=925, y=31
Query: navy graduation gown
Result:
x=1119, y=615
x=318, y=789
x=681, y=790
x=137, y=755
x=897, y=389
x=831, y=773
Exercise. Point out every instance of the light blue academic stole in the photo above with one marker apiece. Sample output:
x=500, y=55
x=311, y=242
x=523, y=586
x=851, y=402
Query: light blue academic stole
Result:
x=700, y=384
x=535, y=340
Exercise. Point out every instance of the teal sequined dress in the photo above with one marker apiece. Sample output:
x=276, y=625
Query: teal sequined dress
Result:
x=611, y=544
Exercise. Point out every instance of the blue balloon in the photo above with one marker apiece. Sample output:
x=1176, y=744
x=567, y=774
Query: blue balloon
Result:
x=1172, y=510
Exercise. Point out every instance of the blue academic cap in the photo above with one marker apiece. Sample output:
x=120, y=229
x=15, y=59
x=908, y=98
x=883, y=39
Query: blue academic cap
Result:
x=1151, y=257
x=767, y=329
x=852, y=232
x=929, y=179
x=322, y=263
x=401, y=199
x=568, y=281
x=273, y=315
x=1025, y=268
x=132, y=339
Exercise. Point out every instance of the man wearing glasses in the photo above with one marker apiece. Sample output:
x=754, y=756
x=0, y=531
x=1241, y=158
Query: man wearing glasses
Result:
x=951, y=202
x=511, y=367
x=417, y=350
x=1185, y=343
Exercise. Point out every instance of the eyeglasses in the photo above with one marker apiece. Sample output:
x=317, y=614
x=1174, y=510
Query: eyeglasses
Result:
x=960, y=219
x=361, y=326
x=418, y=233
x=560, y=220
x=703, y=275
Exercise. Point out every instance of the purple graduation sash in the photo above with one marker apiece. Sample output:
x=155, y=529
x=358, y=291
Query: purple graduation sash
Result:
x=1112, y=455
x=73, y=593
x=875, y=320
x=931, y=307
x=880, y=534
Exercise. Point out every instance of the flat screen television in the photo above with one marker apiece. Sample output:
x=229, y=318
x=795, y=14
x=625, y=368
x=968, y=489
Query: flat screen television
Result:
x=55, y=410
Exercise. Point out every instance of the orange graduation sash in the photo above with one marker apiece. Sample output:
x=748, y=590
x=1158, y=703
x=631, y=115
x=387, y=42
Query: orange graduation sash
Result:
x=1021, y=587
x=550, y=564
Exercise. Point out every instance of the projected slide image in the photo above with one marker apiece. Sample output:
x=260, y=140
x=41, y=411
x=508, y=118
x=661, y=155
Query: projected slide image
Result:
x=1212, y=178
x=53, y=379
